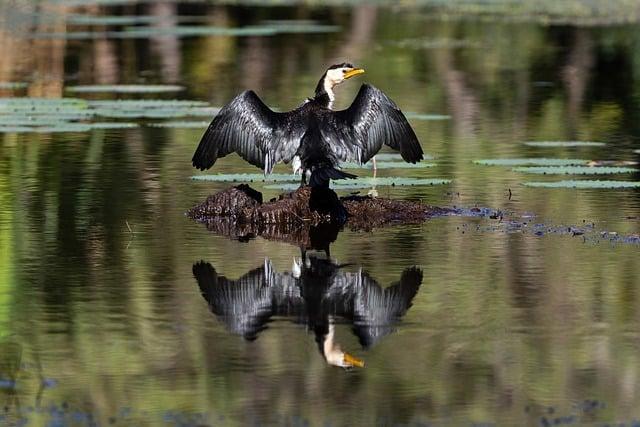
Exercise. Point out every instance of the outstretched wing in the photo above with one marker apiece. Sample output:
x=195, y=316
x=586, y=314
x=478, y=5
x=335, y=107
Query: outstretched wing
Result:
x=373, y=119
x=248, y=127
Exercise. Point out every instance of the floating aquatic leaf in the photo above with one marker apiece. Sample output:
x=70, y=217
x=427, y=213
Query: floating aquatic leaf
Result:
x=247, y=177
x=126, y=88
x=80, y=19
x=431, y=43
x=67, y=127
x=41, y=103
x=147, y=103
x=584, y=184
x=574, y=170
x=422, y=116
x=13, y=85
x=14, y=129
x=531, y=161
x=388, y=165
x=112, y=125
x=157, y=113
x=290, y=27
x=364, y=182
x=564, y=144
x=381, y=157
x=180, y=125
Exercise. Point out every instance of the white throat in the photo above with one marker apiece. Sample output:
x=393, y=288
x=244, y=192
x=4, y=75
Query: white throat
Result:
x=328, y=87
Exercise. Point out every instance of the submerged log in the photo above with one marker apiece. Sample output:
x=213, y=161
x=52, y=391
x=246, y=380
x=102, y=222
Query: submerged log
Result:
x=307, y=217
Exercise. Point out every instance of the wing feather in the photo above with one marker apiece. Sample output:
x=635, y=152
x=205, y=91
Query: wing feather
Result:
x=373, y=120
x=248, y=127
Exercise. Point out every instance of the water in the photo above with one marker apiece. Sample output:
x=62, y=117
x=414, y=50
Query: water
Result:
x=102, y=319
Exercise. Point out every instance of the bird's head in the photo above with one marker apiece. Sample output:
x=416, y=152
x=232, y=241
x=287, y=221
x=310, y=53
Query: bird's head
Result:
x=338, y=73
x=335, y=75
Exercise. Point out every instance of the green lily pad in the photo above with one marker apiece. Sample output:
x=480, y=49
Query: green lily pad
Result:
x=346, y=184
x=14, y=129
x=531, y=161
x=157, y=113
x=584, y=184
x=80, y=19
x=13, y=85
x=179, y=125
x=422, y=116
x=388, y=165
x=550, y=144
x=574, y=170
x=146, y=103
x=247, y=177
x=125, y=88
x=112, y=125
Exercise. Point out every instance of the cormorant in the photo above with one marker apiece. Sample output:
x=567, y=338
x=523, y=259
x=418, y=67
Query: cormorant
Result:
x=315, y=138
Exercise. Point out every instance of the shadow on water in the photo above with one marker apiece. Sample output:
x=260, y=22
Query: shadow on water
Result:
x=317, y=292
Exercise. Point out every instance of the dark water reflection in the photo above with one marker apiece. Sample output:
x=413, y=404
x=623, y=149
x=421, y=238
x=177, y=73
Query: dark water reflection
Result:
x=100, y=318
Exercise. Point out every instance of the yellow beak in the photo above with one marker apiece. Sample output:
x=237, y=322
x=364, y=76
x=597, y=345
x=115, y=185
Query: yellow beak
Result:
x=353, y=72
x=350, y=360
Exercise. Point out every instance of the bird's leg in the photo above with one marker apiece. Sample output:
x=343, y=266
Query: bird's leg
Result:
x=303, y=181
x=373, y=192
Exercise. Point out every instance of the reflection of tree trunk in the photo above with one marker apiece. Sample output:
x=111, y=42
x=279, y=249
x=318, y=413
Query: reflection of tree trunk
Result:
x=256, y=62
x=576, y=74
x=357, y=44
x=463, y=103
x=105, y=62
x=48, y=65
x=167, y=46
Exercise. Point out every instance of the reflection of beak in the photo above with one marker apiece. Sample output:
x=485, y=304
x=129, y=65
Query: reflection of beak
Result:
x=350, y=360
x=353, y=72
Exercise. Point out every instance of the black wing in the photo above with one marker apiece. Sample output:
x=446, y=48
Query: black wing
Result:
x=357, y=133
x=248, y=127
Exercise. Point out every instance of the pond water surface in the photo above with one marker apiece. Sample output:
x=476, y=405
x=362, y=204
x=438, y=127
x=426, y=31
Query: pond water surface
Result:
x=510, y=320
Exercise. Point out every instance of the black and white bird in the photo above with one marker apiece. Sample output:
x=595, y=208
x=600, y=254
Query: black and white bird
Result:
x=313, y=137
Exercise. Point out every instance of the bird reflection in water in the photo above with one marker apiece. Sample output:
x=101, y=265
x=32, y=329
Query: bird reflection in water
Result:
x=318, y=292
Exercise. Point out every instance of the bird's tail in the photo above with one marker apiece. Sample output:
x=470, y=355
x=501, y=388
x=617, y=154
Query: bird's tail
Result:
x=320, y=177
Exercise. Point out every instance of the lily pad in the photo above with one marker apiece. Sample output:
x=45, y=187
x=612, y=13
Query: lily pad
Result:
x=13, y=85
x=15, y=129
x=180, y=125
x=574, y=170
x=423, y=116
x=584, y=184
x=125, y=88
x=531, y=161
x=157, y=113
x=247, y=177
x=146, y=103
x=550, y=144
x=80, y=19
x=364, y=182
x=388, y=165
x=382, y=157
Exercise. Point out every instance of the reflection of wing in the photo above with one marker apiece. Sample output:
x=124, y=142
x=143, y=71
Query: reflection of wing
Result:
x=376, y=310
x=320, y=290
x=243, y=304
x=246, y=305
